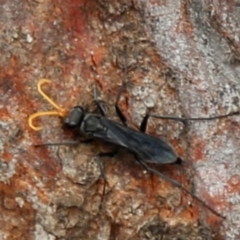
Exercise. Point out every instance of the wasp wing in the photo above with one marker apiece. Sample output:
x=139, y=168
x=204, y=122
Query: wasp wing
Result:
x=145, y=147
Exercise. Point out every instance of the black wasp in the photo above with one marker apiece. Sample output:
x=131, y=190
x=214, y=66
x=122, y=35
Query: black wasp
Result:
x=145, y=148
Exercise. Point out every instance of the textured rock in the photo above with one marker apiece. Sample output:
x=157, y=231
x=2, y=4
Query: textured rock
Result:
x=182, y=59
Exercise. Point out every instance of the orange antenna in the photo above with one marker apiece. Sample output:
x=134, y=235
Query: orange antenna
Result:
x=59, y=112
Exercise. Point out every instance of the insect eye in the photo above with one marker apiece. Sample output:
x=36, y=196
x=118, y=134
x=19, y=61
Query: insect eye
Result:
x=74, y=117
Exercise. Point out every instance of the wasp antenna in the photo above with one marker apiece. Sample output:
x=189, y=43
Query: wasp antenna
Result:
x=60, y=111
x=45, y=96
x=40, y=114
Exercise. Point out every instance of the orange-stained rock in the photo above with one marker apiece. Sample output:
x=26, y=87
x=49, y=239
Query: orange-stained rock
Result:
x=182, y=60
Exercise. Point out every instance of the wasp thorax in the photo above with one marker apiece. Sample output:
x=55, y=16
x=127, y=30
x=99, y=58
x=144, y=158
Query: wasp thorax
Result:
x=92, y=124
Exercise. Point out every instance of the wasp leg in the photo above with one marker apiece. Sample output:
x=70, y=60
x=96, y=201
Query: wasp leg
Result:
x=184, y=120
x=119, y=112
x=67, y=143
x=101, y=167
x=102, y=155
x=177, y=184
x=144, y=123
x=98, y=102
x=100, y=107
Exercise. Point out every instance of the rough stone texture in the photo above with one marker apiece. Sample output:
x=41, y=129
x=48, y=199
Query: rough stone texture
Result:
x=183, y=60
